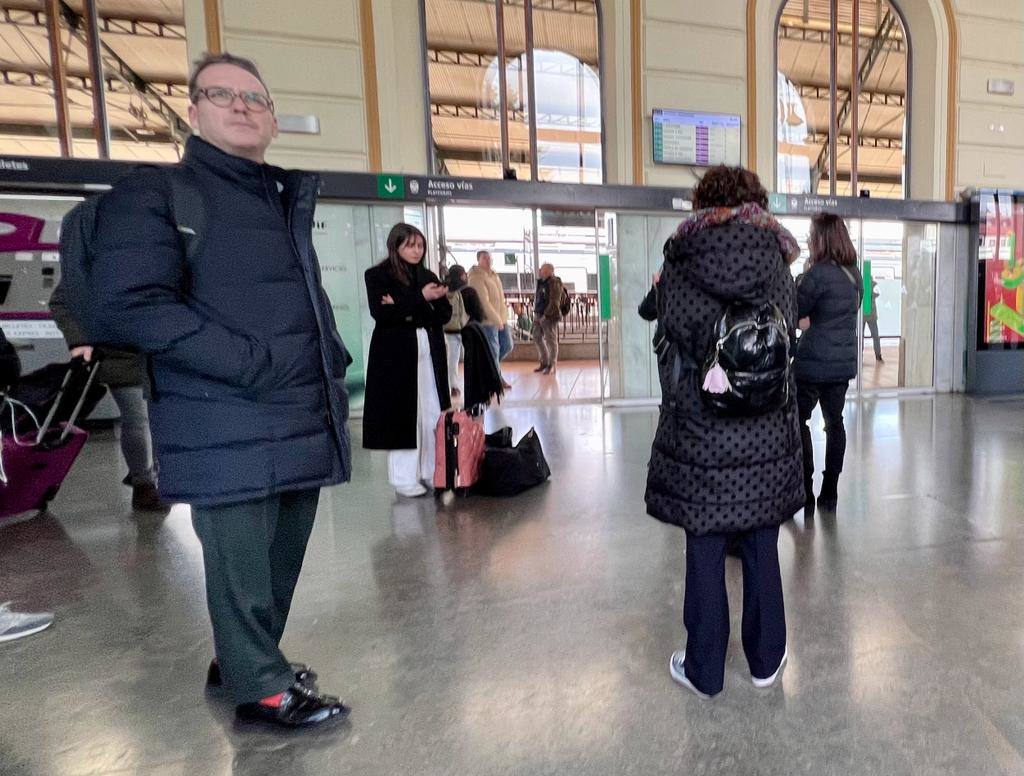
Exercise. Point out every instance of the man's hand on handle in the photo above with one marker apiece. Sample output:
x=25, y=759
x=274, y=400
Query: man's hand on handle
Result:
x=82, y=351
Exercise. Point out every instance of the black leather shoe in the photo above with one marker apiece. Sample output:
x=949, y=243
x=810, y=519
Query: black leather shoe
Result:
x=541, y=368
x=300, y=707
x=303, y=675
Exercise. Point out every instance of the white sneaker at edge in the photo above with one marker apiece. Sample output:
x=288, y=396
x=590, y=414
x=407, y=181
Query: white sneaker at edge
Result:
x=676, y=668
x=766, y=683
x=15, y=625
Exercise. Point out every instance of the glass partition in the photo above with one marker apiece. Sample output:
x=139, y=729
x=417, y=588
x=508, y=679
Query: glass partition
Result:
x=349, y=239
x=897, y=259
x=519, y=241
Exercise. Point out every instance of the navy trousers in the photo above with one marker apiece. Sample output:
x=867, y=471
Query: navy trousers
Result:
x=706, y=606
x=252, y=554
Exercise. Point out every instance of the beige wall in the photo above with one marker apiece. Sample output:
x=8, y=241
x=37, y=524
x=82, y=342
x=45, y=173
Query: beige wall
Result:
x=990, y=148
x=694, y=57
x=309, y=52
x=398, y=44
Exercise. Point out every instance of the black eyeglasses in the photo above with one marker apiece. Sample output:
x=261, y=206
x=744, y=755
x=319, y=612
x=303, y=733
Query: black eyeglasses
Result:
x=223, y=97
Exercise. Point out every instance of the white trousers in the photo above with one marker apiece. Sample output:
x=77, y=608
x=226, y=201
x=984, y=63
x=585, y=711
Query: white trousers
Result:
x=454, y=352
x=407, y=468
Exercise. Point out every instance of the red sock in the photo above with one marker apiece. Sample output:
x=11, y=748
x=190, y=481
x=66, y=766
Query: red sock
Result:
x=273, y=701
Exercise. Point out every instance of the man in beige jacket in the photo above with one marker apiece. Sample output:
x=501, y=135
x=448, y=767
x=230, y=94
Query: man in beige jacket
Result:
x=487, y=284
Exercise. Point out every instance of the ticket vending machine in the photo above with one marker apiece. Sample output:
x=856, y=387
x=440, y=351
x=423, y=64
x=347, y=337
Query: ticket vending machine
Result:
x=29, y=271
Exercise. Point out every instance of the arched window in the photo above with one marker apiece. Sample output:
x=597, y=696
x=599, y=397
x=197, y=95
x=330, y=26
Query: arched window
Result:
x=836, y=133
x=120, y=93
x=515, y=89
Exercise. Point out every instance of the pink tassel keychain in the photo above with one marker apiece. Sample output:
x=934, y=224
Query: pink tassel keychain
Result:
x=716, y=381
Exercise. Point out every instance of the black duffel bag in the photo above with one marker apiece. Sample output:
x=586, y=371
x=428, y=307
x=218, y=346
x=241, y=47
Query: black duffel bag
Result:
x=509, y=470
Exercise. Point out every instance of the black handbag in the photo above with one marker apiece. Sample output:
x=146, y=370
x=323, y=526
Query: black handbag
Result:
x=509, y=470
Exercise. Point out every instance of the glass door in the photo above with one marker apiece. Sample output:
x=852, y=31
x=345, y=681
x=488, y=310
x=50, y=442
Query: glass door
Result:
x=519, y=242
x=897, y=329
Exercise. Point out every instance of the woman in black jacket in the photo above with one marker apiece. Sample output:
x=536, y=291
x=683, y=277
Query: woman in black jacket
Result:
x=466, y=308
x=406, y=373
x=829, y=294
x=725, y=478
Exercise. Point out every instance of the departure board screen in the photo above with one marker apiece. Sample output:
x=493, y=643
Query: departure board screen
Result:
x=700, y=139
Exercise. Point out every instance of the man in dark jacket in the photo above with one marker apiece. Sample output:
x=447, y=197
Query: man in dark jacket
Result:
x=124, y=374
x=248, y=405
x=547, y=314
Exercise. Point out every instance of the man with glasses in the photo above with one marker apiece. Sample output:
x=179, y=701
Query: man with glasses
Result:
x=221, y=291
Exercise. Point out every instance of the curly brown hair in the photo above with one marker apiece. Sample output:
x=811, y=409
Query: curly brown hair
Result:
x=724, y=186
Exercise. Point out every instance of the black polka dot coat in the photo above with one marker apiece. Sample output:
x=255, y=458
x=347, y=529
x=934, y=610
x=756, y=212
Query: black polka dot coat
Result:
x=711, y=474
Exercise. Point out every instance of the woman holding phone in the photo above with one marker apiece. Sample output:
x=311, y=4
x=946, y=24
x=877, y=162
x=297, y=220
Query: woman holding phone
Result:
x=406, y=374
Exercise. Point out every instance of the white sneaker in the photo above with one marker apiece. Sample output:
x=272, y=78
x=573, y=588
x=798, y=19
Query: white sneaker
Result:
x=15, y=625
x=412, y=491
x=677, y=668
x=766, y=683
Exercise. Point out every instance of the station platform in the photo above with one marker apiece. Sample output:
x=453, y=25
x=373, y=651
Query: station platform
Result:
x=532, y=635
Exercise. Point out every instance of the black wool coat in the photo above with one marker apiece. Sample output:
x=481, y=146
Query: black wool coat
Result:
x=390, y=406
x=827, y=351
x=711, y=474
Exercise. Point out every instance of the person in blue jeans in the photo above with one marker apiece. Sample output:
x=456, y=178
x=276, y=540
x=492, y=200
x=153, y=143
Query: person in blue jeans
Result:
x=487, y=284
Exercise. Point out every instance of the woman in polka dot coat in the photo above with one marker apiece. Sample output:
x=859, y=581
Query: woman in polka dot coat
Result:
x=723, y=479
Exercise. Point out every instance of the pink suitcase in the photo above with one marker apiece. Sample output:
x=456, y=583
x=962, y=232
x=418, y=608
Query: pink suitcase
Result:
x=459, y=450
x=35, y=465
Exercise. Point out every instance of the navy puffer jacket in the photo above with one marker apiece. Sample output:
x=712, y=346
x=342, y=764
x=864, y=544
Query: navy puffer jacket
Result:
x=246, y=363
x=829, y=295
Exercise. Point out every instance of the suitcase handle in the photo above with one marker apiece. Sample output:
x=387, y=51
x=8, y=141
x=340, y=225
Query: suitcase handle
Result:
x=93, y=368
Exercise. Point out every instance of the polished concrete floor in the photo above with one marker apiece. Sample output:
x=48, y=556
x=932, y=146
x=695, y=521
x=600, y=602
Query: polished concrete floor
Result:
x=532, y=635
x=573, y=381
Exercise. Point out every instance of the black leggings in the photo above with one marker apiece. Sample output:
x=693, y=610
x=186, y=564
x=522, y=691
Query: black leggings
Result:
x=833, y=398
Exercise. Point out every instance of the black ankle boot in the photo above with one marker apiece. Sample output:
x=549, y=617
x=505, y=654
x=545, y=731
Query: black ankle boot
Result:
x=829, y=491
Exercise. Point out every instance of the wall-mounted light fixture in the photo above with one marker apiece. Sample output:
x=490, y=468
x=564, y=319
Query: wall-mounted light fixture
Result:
x=1000, y=86
x=297, y=124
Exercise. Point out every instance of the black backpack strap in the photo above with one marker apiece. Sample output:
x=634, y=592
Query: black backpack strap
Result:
x=187, y=205
x=853, y=280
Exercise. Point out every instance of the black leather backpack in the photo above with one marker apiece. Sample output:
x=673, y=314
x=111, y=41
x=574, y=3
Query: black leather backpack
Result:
x=747, y=371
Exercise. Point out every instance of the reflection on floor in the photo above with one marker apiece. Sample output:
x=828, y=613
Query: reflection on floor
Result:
x=571, y=381
x=532, y=635
x=875, y=375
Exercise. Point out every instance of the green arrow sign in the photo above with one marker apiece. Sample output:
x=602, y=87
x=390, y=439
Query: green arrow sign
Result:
x=777, y=203
x=391, y=187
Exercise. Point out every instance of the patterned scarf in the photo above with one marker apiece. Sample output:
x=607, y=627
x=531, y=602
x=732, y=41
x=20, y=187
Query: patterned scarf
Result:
x=750, y=213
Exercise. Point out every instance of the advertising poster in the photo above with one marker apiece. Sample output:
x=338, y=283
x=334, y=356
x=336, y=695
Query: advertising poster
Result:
x=1001, y=257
